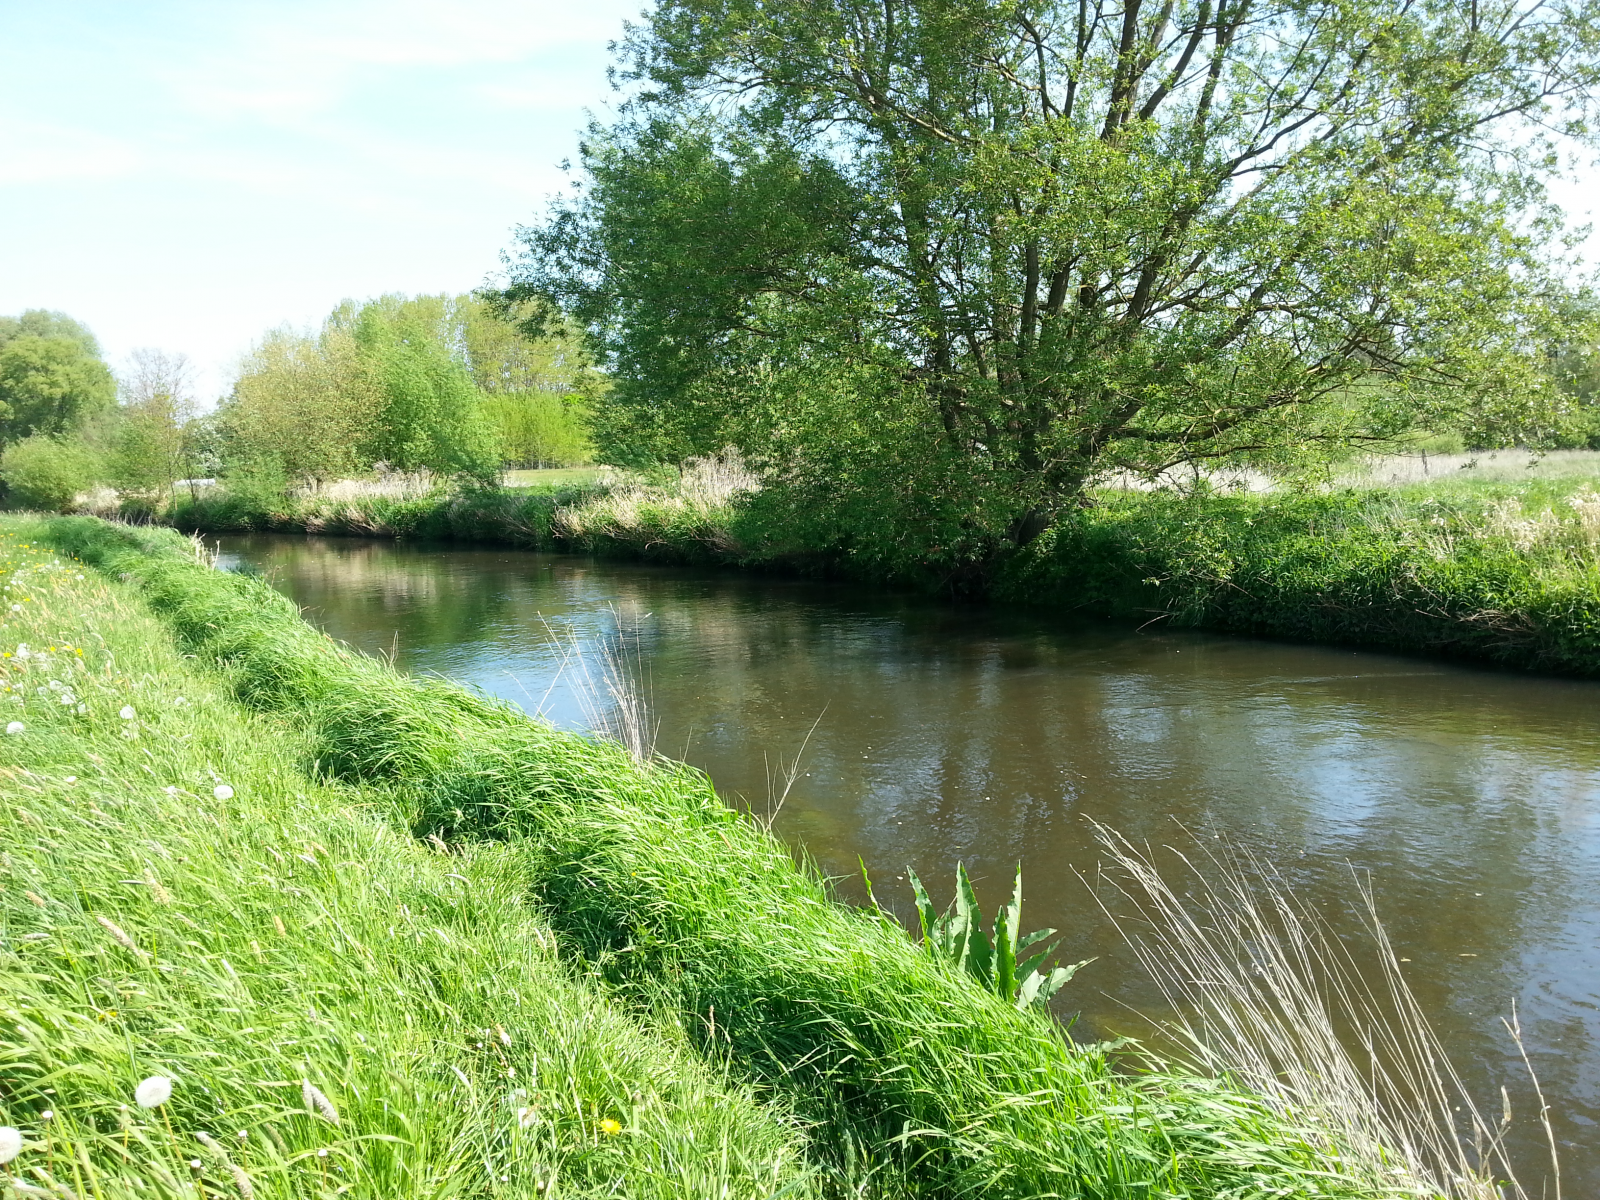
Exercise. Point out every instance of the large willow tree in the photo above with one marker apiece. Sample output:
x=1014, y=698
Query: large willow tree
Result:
x=941, y=262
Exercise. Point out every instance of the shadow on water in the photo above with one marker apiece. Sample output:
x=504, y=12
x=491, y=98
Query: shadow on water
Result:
x=1472, y=797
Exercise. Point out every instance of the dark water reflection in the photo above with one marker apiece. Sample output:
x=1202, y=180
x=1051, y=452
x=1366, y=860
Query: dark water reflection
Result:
x=1472, y=797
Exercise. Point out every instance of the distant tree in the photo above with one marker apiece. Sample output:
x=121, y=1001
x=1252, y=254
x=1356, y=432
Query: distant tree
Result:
x=429, y=415
x=46, y=473
x=538, y=392
x=148, y=450
x=51, y=377
x=44, y=323
x=310, y=404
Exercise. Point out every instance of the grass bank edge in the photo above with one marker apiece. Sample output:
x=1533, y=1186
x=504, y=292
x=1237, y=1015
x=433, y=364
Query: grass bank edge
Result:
x=180, y=900
x=1498, y=573
x=678, y=902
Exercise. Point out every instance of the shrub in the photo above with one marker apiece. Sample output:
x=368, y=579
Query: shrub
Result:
x=44, y=473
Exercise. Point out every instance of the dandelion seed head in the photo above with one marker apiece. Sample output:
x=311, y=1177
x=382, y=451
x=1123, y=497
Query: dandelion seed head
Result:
x=222, y=792
x=127, y=713
x=153, y=1092
x=15, y=727
x=10, y=1143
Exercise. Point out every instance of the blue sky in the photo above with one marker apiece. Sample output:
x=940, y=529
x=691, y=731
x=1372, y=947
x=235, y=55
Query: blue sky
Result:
x=187, y=175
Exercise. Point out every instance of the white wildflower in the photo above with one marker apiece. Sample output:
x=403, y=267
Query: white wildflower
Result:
x=22, y=650
x=15, y=727
x=222, y=792
x=153, y=1092
x=127, y=713
x=83, y=708
x=10, y=1143
x=55, y=685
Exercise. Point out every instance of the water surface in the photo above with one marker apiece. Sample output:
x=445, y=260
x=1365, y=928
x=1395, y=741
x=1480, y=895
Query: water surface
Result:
x=941, y=733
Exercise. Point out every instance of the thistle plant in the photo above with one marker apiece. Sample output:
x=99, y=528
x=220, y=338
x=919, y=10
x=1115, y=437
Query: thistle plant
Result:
x=958, y=935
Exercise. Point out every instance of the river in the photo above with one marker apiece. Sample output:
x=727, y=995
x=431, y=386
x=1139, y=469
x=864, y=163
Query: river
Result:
x=934, y=733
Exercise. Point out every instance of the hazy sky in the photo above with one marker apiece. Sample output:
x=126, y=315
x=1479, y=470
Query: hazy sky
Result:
x=186, y=175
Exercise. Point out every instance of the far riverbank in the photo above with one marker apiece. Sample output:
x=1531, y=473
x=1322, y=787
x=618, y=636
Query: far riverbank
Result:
x=1495, y=572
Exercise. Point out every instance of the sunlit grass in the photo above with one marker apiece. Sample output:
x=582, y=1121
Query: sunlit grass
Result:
x=343, y=1009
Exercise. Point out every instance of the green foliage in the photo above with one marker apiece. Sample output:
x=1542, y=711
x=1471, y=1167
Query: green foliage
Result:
x=291, y=932
x=42, y=323
x=427, y=383
x=52, y=379
x=428, y=416
x=1051, y=239
x=146, y=434
x=957, y=935
x=308, y=404
x=913, y=1079
x=539, y=429
x=1500, y=572
x=45, y=473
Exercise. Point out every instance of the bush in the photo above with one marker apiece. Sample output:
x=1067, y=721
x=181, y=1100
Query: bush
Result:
x=43, y=473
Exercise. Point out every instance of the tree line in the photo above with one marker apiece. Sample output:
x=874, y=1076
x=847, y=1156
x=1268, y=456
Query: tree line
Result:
x=444, y=384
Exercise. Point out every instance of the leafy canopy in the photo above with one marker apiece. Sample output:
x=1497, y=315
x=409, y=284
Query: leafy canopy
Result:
x=437, y=383
x=942, y=262
x=52, y=378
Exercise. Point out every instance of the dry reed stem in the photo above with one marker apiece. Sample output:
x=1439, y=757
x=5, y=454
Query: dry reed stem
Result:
x=1262, y=987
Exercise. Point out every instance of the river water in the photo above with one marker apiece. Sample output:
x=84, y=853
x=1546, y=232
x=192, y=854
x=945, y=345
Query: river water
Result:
x=941, y=733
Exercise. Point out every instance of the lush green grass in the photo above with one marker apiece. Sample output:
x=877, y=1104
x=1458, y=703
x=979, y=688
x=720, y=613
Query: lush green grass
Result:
x=289, y=932
x=904, y=1066
x=556, y=477
x=1498, y=572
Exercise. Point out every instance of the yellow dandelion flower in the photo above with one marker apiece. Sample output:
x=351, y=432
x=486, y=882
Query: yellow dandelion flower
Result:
x=610, y=1126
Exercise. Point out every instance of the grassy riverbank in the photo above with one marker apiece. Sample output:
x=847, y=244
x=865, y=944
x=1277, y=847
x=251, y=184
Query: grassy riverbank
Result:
x=1497, y=571
x=909, y=1080
x=181, y=899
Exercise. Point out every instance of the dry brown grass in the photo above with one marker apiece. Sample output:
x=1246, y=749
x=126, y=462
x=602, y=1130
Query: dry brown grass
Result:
x=1323, y=1026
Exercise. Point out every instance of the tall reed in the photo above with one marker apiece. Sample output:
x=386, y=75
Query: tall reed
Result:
x=1324, y=1027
